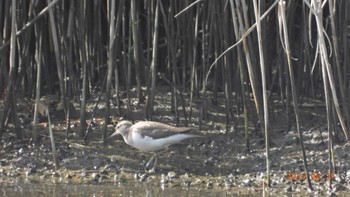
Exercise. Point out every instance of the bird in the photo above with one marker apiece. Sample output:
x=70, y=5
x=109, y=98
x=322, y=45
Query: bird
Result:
x=150, y=136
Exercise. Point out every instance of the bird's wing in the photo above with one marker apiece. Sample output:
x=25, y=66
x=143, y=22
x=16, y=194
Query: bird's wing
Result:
x=157, y=130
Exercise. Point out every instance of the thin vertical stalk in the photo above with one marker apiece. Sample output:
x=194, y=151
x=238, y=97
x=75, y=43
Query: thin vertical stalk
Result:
x=194, y=60
x=337, y=64
x=242, y=73
x=94, y=111
x=251, y=71
x=9, y=94
x=84, y=64
x=111, y=9
x=228, y=72
x=127, y=63
x=5, y=36
x=52, y=139
x=136, y=48
x=153, y=72
x=216, y=43
x=58, y=59
x=116, y=50
x=323, y=54
x=263, y=78
x=38, y=80
x=292, y=83
x=328, y=110
x=203, y=107
x=345, y=45
x=68, y=42
x=172, y=56
x=342, y=94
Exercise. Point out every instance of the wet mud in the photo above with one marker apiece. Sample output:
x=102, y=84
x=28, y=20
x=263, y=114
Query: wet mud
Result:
x=221, y=161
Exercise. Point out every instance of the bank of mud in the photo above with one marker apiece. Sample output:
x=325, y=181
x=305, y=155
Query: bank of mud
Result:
x=219, y=161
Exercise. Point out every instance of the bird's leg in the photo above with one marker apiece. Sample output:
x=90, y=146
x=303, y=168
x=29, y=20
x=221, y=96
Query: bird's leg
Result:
x=152, y=170
x=154, y=157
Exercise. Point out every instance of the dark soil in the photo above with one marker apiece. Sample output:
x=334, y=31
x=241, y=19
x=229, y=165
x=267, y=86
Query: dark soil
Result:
x=219, y=161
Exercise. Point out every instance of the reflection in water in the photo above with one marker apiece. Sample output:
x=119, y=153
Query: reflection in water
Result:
x=56, y=190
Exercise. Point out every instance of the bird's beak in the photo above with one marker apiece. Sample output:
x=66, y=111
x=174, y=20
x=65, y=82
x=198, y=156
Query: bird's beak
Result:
x=113, y=134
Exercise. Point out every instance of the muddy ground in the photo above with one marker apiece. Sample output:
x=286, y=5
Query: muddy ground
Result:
x=220, y=161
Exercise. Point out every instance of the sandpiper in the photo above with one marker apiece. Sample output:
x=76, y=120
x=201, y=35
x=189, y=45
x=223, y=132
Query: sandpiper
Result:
x=151, y=136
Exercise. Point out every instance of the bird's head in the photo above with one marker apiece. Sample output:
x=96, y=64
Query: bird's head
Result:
x=122, y=128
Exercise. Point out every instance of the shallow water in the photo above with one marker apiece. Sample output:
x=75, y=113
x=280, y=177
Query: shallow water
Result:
x=42, y=189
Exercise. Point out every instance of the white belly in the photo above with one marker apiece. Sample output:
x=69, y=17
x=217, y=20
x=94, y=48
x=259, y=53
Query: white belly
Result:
x=149, y=144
